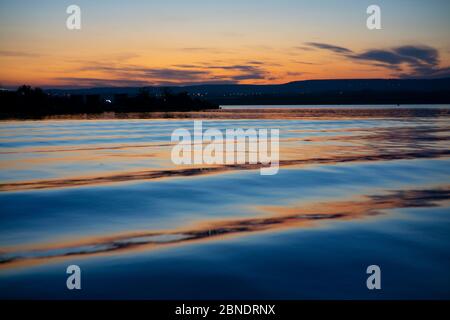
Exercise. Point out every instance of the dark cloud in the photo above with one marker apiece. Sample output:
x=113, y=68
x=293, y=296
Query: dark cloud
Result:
x=406, y=61
x=421, y=61
x=425, y=54
x=305, y=62
x=152, y=75
x=415, y=55
x=178, y=74
x=258, y=63
x=383, y=57
x=329, y=47
x=248, y=76
x=79, y=82
x=185, y=66
x=173, y=74
x=245, y=72
x=99, y=82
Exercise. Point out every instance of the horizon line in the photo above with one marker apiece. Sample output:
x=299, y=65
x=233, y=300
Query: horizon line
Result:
x=181, y=85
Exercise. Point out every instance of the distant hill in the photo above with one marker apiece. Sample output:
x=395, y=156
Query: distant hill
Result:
x=352, y=91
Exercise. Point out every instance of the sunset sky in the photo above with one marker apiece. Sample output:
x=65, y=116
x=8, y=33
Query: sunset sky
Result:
x=136, y=43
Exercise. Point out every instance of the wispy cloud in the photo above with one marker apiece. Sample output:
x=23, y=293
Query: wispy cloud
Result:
x=123, y=74
x=405, y=61
x=243, y=72
x=18, y=54
x=329, y=47
x=100, y=82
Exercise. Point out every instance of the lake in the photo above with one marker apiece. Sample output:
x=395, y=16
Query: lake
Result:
x=104, y=195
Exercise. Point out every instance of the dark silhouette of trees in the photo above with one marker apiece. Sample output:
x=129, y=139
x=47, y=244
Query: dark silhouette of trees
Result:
x=28, y=102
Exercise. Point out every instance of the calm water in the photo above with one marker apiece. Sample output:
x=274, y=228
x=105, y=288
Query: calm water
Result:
x=350, y=193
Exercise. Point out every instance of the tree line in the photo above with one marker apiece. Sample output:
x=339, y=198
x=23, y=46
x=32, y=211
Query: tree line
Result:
x=28, y=102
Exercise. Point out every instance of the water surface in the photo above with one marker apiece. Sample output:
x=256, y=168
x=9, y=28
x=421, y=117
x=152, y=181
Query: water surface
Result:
x=351, y=192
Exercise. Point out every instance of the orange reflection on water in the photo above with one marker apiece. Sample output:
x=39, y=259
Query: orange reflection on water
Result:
x=271, y=218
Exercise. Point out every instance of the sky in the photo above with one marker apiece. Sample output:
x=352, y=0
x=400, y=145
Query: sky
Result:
x=138, y=43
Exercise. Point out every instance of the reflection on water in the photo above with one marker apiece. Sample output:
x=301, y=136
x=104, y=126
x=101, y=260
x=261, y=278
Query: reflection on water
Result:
x=105, y=193
x=90, y=158
x=297, y=217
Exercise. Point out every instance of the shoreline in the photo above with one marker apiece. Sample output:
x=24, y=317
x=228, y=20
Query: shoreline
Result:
x=275, y=113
